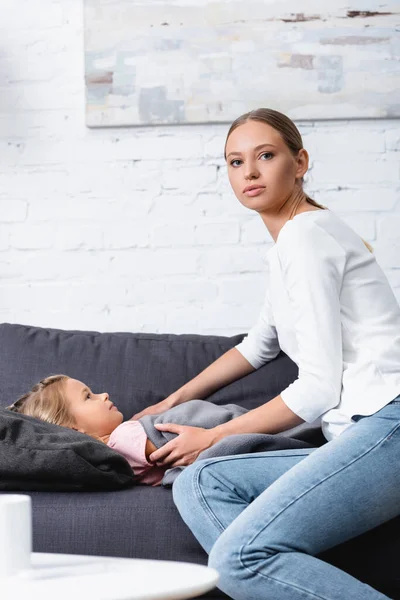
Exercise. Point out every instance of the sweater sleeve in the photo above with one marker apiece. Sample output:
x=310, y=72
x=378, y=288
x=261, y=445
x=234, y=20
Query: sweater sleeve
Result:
x=129, y=439
x=312, y=265
x=261, y=344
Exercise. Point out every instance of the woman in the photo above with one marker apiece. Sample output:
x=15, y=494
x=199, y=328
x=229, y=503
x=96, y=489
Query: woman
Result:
x=264, y=517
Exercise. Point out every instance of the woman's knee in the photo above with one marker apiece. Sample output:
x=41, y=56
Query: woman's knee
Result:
x=194, y=477
x=183, y=486
x=234, y=551
x=186, y=487
x=226, y=558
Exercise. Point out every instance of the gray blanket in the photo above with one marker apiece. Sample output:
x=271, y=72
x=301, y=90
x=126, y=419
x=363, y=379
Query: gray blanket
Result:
x=200, y=413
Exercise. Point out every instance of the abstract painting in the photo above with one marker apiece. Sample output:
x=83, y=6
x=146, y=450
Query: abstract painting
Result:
x=150, y=62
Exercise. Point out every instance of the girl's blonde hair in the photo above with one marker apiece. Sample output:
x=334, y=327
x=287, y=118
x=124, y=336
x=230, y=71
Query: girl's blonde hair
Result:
x=46, y=401
x=289, y=133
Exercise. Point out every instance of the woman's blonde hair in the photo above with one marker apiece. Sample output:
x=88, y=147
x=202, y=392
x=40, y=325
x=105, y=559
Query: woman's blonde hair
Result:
x=46, y=401
x=289, y=133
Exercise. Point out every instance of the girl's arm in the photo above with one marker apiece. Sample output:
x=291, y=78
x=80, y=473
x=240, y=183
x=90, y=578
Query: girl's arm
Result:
x=149, y=448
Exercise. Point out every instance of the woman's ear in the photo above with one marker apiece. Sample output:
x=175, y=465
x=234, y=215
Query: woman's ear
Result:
x=302, y=163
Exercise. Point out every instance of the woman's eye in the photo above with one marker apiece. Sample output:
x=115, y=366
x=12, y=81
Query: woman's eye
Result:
x=235, y=162
x=267, y=155
x=88, y=396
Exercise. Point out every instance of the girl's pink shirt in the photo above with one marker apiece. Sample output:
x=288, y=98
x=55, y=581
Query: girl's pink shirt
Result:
x=129, y=439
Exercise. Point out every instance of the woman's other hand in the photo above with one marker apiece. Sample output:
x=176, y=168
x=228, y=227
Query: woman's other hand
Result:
x=227, y=368
x=185, y=448
x=156, y=409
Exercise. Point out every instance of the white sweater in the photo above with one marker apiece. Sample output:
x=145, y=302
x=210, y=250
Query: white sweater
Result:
x=330, y=308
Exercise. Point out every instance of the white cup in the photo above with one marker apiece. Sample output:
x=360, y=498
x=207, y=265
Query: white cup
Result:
x=15, y=534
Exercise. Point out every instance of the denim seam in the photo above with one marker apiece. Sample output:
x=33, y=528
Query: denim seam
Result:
x=211, y=515
x=256, y=572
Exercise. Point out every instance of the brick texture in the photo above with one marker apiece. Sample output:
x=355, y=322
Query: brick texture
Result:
x=137, y=229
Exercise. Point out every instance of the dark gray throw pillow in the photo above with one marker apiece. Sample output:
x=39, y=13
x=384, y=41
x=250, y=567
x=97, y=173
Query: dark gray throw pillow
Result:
x=39, y=456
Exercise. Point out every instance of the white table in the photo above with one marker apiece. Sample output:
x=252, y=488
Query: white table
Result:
x=75, y=577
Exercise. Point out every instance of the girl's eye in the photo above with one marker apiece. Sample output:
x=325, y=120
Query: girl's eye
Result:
x=267, y=155
x=236, y=160
x=87, y=397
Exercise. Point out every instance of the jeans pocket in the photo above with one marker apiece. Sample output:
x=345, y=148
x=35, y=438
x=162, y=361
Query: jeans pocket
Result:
x=396, y=400
x=357, y=418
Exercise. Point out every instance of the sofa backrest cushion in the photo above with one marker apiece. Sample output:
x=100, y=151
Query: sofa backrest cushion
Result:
x=136, y=369
x=35, y=455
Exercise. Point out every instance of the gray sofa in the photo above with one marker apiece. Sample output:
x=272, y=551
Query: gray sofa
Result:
x=138, y=370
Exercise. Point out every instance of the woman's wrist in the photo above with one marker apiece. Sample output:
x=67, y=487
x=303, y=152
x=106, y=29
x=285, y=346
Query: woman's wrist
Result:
x=182, y=395
x=216, y=435
x=176, y=398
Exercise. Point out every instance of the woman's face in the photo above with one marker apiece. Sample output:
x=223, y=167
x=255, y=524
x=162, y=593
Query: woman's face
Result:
x=93, y=414
x=262, y=170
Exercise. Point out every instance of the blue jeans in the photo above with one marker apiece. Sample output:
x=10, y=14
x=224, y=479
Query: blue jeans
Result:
x=263, y=517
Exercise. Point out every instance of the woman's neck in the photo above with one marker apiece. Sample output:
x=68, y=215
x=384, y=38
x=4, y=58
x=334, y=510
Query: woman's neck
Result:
x=295, y=205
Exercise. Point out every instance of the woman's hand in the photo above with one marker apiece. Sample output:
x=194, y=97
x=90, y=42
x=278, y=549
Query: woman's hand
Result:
x=184, y=449
x=156, y=409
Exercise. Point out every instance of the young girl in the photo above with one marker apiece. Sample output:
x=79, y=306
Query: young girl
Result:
x=68, y=402
x=263, y=518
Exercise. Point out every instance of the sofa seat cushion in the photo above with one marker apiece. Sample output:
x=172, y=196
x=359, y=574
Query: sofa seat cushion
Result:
x=142, y=522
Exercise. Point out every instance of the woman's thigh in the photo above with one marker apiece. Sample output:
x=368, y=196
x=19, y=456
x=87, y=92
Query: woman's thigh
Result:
x=305, y=499
x=213, y=492
x=341, y=490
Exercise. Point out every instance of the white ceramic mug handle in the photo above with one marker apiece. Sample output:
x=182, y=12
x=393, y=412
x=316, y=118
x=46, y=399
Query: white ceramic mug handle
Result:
x=15, y=534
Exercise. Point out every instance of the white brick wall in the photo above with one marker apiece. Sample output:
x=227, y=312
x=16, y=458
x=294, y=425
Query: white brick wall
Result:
x=136, y=229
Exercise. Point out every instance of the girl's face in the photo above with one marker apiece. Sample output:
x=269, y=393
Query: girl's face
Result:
x=94, y=414
x=262, y=170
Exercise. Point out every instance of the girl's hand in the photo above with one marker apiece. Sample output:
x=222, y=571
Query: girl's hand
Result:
x=184, y=449
x=155, y=409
